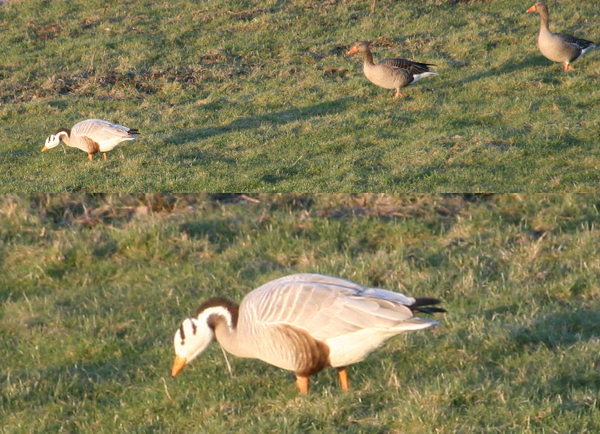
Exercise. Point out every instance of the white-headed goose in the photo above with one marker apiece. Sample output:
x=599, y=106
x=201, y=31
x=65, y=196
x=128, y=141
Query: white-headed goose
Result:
x=558, y=47
x=92, y=136
x=391, y=73
x=302, y=323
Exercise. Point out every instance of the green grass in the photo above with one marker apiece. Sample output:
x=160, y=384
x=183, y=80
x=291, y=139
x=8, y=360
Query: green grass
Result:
x=93, y=288
x=260, y=97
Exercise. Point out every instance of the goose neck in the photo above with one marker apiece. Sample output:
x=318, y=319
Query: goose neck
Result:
x=229, y=338
x=544, y=27
x=368, y=56
x=64, y=136
x=222, y=318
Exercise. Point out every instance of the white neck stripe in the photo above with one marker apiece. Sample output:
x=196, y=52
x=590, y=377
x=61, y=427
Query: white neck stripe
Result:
x=217, y=310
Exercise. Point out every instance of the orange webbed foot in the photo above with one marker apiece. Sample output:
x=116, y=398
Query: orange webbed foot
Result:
x=302, y=384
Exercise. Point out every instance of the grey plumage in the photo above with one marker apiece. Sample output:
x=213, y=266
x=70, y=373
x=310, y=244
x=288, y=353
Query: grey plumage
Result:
x=558, y=47
x=391, y=73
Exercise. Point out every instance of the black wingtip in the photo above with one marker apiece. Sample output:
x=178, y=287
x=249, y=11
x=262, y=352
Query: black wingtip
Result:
x=425, y=305
x=133, y=131
x=425, y=301
x=431, y=310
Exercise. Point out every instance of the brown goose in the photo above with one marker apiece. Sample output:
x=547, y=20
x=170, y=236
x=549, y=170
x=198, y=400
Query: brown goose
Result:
x=391, y=73
x=92, y=136
x=303, y=323
x=558, y=47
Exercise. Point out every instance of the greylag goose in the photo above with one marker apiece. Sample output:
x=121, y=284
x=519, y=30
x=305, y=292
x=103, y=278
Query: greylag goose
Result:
x=391, y=73
x=559, y=47
x=92, y=136
x=302, y=323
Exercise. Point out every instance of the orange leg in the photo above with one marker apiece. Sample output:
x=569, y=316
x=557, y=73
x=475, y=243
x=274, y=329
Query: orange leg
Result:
x=91, y=157
x=568, y=67
x=373, y=6
x=104, y=155
x=398, y=93
x=302, y=384
x=343, y=374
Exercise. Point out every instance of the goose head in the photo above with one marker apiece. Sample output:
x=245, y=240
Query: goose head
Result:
x=540, y=8
x=360, y=47
x=54, y=139
x=191, y=339
x=195, y=333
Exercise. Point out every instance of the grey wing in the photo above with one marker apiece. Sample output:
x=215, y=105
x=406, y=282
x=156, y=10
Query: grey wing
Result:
x=326, y=306
x=410, y=66
x=581, y=43
x=99, y=130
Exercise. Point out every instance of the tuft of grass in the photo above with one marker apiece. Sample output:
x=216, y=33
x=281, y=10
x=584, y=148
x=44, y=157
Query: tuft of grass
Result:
x=261, y=97
x=94, y=287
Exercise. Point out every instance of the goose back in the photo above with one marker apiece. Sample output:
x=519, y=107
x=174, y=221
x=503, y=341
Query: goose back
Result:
x=340, y=314
x=106, y=134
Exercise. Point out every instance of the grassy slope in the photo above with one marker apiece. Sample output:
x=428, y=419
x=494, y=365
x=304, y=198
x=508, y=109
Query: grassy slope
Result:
x=94, y=287
x=259, y=96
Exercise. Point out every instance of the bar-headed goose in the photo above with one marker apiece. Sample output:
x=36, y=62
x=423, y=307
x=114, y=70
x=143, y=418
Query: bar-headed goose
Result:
x=391, y=73
x=302, y=323
x=92, y=136
x=558, y=47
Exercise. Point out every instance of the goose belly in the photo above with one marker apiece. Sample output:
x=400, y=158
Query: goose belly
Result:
x=382, y=77
x=278, y=358
x=110, y=144
x=554, y=48
x=353, y=348
x=290, y=348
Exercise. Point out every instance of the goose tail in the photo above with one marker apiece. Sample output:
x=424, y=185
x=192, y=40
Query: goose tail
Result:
x=417, y=77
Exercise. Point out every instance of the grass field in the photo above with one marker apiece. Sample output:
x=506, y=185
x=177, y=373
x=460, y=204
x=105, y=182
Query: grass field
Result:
x=94, y=287
x=259, y=96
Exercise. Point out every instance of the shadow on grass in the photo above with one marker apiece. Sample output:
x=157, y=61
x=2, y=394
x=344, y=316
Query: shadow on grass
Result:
x=507, y=68
x=418, y=175
x=203, y=157
x=219, y=232
x=560, y=329
x=78, y=380
x=252, y=122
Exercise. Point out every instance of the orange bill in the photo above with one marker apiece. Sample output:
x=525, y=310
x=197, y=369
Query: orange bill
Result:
x=178, y=365
x=531, y=9
x=353, y=50
x=44, y=149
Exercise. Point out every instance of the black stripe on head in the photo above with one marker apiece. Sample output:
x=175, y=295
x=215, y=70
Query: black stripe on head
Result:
x=232, y=307
x=182, y=333
x=194, y=328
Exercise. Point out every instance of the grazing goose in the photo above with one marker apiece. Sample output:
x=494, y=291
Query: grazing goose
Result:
x=92, y=136
x=302, y=323
x=558, y=47
x=391, y=73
